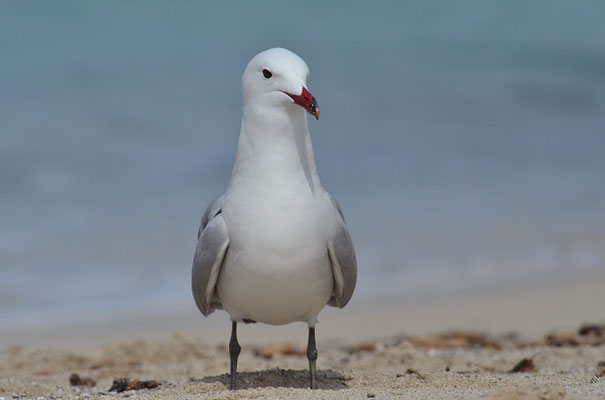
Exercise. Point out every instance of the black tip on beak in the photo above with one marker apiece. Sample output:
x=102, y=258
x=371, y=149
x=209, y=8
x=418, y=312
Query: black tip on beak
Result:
x=314, y=108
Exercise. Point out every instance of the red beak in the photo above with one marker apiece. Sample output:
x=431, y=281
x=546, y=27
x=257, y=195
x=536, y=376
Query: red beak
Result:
x=306, y=101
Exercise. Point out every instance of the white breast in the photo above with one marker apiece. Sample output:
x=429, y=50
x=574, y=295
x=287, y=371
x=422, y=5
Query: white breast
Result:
x=277, y=268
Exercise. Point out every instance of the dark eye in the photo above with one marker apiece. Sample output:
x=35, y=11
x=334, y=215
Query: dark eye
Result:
x=267, y=74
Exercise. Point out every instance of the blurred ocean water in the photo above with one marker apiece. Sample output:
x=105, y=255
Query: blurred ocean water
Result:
x=465, y=142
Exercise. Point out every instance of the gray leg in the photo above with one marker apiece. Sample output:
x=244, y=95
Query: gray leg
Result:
x=312, y=356
x=234, y=350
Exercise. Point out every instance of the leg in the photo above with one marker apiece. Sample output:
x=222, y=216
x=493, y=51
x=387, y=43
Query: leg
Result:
x=312, y=356
x=234, y=350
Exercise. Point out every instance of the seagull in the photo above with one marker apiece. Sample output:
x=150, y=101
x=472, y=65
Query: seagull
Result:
x=274, y=248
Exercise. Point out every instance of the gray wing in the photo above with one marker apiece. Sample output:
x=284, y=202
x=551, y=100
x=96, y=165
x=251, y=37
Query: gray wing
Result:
x=210, y=212
x=344, y=262
x=212, y=244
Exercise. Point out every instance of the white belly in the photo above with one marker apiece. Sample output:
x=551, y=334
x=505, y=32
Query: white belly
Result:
x=275, y=293
x=277, y=269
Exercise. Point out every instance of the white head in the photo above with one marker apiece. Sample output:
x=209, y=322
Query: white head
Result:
x=278, y=78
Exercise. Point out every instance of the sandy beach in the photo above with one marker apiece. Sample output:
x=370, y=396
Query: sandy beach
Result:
x=399, y=350
x=403, y=368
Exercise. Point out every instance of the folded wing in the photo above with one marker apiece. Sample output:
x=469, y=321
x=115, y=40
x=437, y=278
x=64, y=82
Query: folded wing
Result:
x=213, y=241
x=343, y=260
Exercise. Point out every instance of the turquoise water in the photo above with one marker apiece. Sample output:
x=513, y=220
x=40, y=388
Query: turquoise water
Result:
x=464, y=141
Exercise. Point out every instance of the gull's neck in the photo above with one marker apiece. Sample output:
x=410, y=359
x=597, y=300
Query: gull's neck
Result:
x=275, y=150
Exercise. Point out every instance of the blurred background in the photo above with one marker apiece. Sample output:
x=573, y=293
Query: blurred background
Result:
x=464, y=141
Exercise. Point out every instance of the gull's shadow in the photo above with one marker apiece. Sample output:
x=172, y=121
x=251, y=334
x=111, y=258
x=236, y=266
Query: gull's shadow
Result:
x=277, y=377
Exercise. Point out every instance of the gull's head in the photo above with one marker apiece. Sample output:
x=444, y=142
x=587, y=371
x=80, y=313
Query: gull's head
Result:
x=278, y=78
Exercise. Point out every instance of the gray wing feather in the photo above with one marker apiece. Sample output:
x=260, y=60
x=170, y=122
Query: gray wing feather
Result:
x=213, y=241
x=210, y=212
x=344, y=262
